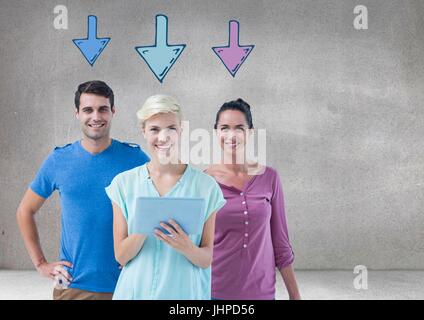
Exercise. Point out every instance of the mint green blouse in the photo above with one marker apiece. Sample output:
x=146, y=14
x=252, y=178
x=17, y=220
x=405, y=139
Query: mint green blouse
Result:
x=159, y=272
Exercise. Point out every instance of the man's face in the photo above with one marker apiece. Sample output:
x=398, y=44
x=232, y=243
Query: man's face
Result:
x=95, y=115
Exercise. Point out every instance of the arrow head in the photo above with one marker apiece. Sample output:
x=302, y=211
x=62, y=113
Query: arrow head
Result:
x=91, y=48
x=160, y=59
x=233, y=56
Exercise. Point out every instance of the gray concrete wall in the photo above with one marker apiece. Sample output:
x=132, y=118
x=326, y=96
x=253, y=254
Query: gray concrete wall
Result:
x=343, y=110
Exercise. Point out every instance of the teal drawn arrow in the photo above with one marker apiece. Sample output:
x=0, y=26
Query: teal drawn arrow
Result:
x=161, y=57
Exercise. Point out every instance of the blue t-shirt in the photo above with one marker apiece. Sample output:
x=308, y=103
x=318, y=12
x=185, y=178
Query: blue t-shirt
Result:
x=87, y=217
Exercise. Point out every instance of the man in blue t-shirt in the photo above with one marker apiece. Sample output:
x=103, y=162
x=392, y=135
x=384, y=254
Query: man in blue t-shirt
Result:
x=80, y=171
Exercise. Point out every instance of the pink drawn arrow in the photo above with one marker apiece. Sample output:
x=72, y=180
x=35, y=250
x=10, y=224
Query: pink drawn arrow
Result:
x=233, y=55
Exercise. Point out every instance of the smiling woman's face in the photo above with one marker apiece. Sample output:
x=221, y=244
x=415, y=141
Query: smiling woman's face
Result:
x=233, y=131
x=162, y=133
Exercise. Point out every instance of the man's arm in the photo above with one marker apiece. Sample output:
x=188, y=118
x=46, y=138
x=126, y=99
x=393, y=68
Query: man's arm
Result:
x=28, y=207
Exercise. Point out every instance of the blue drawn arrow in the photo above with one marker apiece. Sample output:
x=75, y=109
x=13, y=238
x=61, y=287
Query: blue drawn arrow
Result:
x=161, y=57
x=91, y=47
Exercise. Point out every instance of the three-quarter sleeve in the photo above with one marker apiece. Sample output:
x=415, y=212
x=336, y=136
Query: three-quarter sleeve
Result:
x=283, y=252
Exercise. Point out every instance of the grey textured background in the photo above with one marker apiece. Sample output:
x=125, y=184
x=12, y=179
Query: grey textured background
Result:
x=343, y=110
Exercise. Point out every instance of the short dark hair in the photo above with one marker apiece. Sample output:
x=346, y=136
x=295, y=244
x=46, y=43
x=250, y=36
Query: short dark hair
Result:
x=239, y=105
x=96, y=87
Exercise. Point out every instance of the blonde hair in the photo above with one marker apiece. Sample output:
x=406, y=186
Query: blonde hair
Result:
x=158, y=104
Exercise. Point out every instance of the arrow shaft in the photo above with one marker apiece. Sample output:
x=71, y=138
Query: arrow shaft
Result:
x=234, y=34
x=161, y=31
x=92, y=27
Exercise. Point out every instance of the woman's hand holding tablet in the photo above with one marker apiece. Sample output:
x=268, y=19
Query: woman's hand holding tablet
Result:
x=176, y=237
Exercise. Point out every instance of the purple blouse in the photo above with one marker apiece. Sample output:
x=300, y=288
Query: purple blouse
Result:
x=251, y=239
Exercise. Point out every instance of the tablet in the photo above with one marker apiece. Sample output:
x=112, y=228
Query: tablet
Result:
x=151, y=211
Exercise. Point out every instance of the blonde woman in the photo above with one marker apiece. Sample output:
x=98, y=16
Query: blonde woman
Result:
x=175, y=266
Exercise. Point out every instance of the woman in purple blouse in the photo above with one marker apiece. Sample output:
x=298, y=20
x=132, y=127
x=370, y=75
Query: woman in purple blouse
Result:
x=251, y=237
